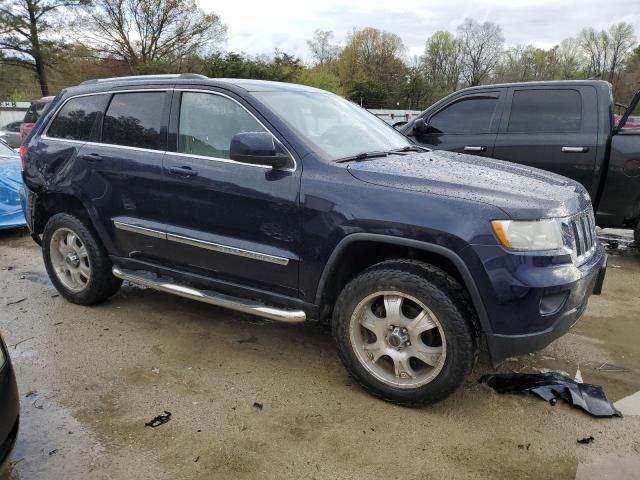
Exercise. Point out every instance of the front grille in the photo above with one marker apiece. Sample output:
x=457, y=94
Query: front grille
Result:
x=582, y=228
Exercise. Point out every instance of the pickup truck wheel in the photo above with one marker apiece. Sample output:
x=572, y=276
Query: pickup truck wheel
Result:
x=401, y=332
x=76, y=261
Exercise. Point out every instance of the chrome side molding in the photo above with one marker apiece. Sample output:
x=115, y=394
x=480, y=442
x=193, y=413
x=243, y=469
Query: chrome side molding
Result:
x=211, y=297
x=215, y=247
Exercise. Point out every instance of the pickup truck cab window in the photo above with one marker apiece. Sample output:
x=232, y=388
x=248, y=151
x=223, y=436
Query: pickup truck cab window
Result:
x=76, y=120
x=135, y=120
x=472, y=114
x=209, y=121
x=545, y=110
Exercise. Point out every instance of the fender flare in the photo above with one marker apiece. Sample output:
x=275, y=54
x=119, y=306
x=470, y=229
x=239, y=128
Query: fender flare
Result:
x=449, y=254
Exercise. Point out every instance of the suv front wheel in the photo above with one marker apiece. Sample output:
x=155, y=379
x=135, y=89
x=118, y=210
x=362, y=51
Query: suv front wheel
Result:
x=405, y=333
x=76, y=261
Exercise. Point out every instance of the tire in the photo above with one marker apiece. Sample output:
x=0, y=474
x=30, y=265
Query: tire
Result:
x=447, y=325
x=76, y=261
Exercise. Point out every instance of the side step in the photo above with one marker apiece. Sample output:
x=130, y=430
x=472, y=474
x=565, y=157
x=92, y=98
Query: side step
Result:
x=207, y=296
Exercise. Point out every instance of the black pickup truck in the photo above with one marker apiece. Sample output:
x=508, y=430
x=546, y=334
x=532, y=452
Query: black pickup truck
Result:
x=566, y=127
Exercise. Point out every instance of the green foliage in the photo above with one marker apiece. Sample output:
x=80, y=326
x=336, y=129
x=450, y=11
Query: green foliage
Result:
x=320, y=78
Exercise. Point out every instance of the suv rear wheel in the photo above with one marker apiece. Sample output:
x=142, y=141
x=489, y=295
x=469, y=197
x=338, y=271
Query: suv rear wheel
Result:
x=404, y=332
x=76, y=261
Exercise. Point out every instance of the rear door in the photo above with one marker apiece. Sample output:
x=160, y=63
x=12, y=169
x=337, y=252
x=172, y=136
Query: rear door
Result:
x=468, y=124
x=123, y=172
x=548, y=127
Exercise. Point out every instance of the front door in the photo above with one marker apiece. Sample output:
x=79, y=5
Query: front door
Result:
x=467, y=124
x=231, y=221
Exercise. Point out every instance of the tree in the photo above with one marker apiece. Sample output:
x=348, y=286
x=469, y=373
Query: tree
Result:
x=323, y=50
x=441, y=64
x=25, y=34
x=481, y=47
x=143, y=32
x=621, y=40
x=371, y=67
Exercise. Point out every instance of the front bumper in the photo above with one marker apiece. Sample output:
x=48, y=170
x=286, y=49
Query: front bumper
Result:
x=9, y=413
x=530, y=301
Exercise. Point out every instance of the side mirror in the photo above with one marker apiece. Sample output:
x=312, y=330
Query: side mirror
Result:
x=258, y=148
x=419, y=126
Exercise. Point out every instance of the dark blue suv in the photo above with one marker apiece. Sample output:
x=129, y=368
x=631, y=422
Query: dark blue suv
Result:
x=291, y=203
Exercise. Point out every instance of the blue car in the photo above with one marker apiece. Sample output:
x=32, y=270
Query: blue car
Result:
x=11, y=215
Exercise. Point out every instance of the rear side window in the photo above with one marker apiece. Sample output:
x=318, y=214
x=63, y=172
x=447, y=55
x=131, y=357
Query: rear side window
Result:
x=468, y=115
x=77, y=119
x=136, y=120
x=552, y=111
x=208, y=122
x=34, y=111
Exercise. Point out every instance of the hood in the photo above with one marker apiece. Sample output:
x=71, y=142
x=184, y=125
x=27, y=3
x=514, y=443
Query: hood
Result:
x=521, y=192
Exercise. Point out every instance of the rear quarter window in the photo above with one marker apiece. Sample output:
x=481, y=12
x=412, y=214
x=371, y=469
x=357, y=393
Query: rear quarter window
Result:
x=77, y=120
x=545, y=111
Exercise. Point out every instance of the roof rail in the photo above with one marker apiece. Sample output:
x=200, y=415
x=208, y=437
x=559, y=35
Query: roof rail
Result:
x=144, y=77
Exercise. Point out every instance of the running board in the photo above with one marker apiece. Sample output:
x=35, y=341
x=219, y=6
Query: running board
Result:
x=207, y=296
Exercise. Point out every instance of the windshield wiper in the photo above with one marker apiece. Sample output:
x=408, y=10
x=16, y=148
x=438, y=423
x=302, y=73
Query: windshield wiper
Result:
x=362, y=156
x=409, y=148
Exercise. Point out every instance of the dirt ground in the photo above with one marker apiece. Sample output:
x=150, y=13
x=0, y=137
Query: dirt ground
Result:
x=90, y=378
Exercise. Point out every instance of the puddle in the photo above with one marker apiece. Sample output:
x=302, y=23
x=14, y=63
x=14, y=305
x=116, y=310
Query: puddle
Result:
x=51, y=442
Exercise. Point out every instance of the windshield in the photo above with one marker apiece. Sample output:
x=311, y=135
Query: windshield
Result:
x=332, y=126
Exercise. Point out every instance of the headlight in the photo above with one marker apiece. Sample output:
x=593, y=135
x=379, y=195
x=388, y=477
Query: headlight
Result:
x=529, y=235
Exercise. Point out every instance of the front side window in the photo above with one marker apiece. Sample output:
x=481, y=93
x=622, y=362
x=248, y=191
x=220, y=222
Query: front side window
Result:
x=136, y=120
x=77, y=119
x=469, y=115
x=545, y=110
x=209, y=121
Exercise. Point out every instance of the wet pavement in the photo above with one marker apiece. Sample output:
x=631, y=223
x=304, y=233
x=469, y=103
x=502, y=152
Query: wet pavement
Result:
x=90, y=378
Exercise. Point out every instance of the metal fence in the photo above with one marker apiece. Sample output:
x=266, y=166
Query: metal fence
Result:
x=12, y=112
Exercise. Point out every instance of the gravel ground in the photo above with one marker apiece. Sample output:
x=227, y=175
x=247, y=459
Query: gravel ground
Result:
x=90, y=378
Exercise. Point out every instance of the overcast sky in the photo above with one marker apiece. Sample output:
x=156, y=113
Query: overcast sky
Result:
x=260, y=26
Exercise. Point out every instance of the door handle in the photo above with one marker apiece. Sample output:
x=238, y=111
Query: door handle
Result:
x=575, y=149
x=91, y=157
x=480, y=148
x=183, y=171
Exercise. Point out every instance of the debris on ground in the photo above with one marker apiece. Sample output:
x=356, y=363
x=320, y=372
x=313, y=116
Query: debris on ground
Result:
x=155, y=370
x=54, y=451
x=578, y=376
x=15, y=302
x=15, y=345
x=159, y=420
x=586, y=440
x=257, y=406
x=552, y=386
x=251, y=339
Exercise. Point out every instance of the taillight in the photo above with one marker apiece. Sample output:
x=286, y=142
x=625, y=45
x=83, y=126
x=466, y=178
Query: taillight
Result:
x=24, y=150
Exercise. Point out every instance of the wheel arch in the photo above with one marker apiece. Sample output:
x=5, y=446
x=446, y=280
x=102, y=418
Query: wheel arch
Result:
x=336, y=273
x=50, y=203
